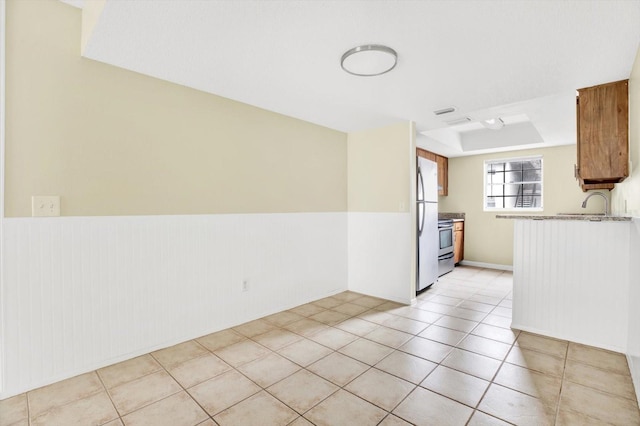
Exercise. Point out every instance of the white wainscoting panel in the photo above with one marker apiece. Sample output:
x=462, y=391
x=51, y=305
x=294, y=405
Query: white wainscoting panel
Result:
x=380, y=250
x=633, y=345
x=84, y=292
x=571, y=280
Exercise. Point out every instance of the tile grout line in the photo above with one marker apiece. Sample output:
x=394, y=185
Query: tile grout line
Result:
x=109, y=396
x=564, y=373
x=235, y=368
x=26, y=395
x=61, y=405
x=438, y=364
x=180, y=384
x=504, y=360
x=284, y=378
x=343, y=387
x=490, y=382
x=305, y=368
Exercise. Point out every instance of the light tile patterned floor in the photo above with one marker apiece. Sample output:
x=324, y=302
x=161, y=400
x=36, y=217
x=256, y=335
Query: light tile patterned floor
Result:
x=351, y=359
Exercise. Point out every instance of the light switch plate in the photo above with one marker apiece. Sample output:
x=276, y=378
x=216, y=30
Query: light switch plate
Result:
x=45, y=205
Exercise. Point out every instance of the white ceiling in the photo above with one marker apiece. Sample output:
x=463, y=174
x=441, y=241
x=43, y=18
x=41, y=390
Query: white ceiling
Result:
x=491, y=58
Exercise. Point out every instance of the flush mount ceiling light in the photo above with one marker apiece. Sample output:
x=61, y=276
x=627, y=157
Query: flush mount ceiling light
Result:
x=369, y=60
x=493, y=123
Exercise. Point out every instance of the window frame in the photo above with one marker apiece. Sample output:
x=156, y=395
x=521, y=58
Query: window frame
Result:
x=486, y=163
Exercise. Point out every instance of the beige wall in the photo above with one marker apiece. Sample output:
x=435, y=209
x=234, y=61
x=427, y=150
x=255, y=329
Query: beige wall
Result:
x=629, y=189
x=91, y=11
x=113, y=142
x=379, y=168
x=490, y=240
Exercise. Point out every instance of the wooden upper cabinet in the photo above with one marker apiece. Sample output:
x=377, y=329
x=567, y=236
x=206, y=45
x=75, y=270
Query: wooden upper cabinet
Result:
x=603, y=135
x=443, y=169
x=426, y=154
x=443, y=175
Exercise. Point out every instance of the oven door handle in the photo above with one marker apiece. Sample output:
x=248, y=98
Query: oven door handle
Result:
x=445, y=256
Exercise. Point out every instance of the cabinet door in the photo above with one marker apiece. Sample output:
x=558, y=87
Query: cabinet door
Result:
x=458, y=248
x=443, y=169
x=426, y=154
x=603, y=119
x=443, y=175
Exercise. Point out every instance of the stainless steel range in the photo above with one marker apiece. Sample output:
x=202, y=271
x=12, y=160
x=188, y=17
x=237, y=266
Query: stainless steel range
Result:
x=445, y=253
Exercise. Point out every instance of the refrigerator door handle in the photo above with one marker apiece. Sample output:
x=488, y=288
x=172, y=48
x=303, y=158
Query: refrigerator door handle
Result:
x=420, y=201
x=420, y=186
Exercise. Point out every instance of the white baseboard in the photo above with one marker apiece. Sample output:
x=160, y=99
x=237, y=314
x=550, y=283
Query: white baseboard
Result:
x=487, y=265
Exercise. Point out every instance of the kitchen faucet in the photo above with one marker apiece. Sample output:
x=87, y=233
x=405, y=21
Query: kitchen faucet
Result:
x=606, y=202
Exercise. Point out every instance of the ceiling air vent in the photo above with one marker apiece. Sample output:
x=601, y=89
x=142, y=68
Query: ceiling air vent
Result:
x=455, y=122
x=443, y=111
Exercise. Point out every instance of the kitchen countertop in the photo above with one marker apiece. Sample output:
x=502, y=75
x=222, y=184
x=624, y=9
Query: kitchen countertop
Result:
x=569, y=216
x=454, y=216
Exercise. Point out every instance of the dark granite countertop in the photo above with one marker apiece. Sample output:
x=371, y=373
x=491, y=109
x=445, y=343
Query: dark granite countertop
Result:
x=454, y=216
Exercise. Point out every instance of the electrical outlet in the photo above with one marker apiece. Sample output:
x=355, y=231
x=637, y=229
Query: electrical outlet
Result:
x=45, y=205
x=245, y=285
x=401, y=206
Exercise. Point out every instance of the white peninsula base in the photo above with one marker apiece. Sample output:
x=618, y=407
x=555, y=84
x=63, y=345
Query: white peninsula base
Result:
x=571, y=280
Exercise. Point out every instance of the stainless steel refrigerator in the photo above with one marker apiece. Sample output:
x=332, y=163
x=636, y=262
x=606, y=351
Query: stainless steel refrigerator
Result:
x=427, y=209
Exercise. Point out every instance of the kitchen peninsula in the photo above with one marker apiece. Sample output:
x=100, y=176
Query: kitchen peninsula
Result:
x=571, y=277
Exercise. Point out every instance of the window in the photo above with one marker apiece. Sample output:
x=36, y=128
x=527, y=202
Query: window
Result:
x=513, y=184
